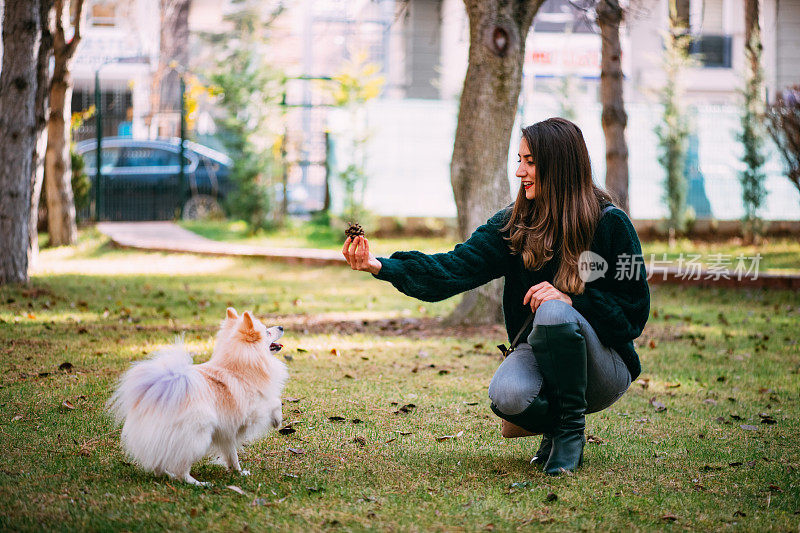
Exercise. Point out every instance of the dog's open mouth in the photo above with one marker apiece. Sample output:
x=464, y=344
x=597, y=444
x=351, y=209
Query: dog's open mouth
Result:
x=275, y=347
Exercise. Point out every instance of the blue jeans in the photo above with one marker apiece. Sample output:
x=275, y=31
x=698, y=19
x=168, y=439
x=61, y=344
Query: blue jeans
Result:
x=517, y=382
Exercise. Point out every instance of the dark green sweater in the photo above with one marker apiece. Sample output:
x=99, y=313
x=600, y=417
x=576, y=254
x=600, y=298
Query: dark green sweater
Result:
x=617, y=309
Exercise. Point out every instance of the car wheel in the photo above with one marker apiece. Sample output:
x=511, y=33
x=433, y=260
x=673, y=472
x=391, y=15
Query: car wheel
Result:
x=202, y=207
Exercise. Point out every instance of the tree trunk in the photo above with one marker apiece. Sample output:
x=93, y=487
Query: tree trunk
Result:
x=173, y=53
x=42, y=93
x=21, y=37
x=614, y=117
x=478, y=170
x=752, y=36
x=58, y=165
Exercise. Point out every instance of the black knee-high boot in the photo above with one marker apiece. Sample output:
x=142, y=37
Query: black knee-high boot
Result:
x=560, y=351
x=543, y=453
x=539, y=417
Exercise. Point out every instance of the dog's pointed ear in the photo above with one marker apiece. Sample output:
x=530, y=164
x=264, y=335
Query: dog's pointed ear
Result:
x=231, y=313
x=246, y=330
x=247, y=321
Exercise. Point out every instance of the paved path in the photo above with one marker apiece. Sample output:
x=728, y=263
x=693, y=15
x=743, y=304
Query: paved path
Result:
x=169, y=237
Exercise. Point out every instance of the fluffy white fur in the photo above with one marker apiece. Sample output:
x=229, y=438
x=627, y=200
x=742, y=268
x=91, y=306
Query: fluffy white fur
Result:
x=173, y=413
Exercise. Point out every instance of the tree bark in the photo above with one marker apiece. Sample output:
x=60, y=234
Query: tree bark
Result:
x=478, y=170
x=614, y=117
x=173, y=50
x=42, y=102
x=752, y=36
x=58, y=166
x=21, y=38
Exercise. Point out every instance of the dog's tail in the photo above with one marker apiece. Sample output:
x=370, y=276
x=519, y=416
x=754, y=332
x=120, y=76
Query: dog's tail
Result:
x=161, y=383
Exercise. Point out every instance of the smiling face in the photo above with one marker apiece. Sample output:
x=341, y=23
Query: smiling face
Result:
x=526, y=170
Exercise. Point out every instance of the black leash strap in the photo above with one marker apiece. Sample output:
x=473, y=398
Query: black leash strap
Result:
x=515, y=342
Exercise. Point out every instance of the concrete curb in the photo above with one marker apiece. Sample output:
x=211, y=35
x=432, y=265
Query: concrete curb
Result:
x=169, y=237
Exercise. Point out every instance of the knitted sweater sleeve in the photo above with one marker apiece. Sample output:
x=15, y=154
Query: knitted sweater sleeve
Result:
x=618, y=304
x=481, y=258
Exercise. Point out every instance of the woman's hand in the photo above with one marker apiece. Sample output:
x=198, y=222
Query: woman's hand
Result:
x=356, y=252
x=542, y=292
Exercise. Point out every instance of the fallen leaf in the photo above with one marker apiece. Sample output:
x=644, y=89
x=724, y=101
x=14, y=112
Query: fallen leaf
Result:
x=301, y=350
x=652, y=343
x=673, y=385
x=314, y=489
x=735, y=416
x=445, y=437
x=767, y=419
x=658, y=406
x=644, y=383
x=287, y=430
x=739, y=513
x=748, y=427
x=296, y=451
x=336, y=418
x=335, y=351
x=66, y=366
x=356, y=421
x=407, y=408
x=292, y=400
x=669, y=517
x=442, y=372
x=66, y=404
x=775, y=488
x=470, y=403
x=361, y=441
x=594, y=440
x=735, y=463
x=236, y=489
x=17, y=417
x=710, y=401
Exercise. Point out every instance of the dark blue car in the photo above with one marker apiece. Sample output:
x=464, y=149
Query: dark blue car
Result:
x=141, y=179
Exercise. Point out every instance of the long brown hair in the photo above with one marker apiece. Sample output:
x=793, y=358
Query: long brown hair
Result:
x=562, y=217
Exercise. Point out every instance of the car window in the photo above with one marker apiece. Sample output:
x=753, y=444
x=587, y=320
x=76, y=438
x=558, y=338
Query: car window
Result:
x=110, y=158
x=149, y=157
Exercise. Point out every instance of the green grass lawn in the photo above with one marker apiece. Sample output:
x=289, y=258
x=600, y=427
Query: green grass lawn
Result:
x=777, y=254
x=722, y=455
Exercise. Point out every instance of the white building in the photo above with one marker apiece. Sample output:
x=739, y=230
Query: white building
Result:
x=120, y=39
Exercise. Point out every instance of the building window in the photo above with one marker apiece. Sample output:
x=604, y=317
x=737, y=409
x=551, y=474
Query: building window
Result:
x=103, y=14
x=712, y=51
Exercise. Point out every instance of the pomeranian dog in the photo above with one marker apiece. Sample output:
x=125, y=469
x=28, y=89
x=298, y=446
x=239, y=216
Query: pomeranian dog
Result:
x=173, y=413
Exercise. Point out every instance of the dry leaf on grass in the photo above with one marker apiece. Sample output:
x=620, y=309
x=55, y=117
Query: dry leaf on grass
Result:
x=287, y=430
x=658, y=406
x=446, y=437
x=236, y=489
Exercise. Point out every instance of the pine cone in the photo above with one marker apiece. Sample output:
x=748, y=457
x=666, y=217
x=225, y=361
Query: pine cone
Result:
x=354, y=230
